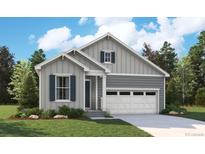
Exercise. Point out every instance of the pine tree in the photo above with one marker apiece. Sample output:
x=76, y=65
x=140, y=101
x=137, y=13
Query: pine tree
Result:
x=6, y=67
x=35, y=59
x=150, y=54
x=29, y=98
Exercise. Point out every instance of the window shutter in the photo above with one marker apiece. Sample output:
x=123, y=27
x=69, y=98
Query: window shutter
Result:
x=102, y=56
x=72, y=88
x=52, y=87
x=113, y=57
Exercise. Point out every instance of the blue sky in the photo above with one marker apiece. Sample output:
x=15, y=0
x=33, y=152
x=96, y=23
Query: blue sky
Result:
x=24, y=35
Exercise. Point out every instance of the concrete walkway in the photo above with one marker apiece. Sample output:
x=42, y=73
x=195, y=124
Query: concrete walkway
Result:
x=166, y=126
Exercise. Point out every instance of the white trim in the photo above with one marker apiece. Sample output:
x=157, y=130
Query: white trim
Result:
x=107, y=62
x=77, y=62
x=91, y=59
x=95, y=73
x=90, y=93
x=96, y=95
x=139, y=89
x=127, y=74
x=40, y=103
x=62, y=100
x=130, y=49
x=38, y=67
x=84, y=91
x=164, y=93
x=104, y=93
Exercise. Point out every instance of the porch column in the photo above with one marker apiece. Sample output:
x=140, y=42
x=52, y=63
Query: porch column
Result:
x=104, y=93
x=96, y=95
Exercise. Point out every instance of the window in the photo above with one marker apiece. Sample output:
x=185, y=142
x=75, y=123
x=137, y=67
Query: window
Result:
x=62, y=88
x=150, y=93
x=111, y=92
x=107, y=57
x=124, y=93
x=138, y=93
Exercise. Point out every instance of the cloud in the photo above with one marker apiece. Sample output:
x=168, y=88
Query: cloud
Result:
x=150, y=26
x=172, y=30
x=31, y=38
x=54, y=38
x=82, y=20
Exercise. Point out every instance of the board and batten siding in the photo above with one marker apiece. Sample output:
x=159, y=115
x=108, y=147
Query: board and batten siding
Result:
x=138, y=82
x=85, y=61
x=60, y=66
x=125, y=60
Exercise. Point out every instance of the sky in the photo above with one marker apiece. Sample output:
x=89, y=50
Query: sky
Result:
x=54, y=35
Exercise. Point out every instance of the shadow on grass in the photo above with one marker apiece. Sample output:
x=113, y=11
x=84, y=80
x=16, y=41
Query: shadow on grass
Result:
x=195, y=115
x=18, y=129
x=111, y=122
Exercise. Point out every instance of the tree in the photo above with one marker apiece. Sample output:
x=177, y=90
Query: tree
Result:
x=197, y=61
x=167, y=58
x=29, y=97
x=200, y=96
x=181, y=85
x=35, y=59
x=17, y=79
x=6, y=67
x=150, y=54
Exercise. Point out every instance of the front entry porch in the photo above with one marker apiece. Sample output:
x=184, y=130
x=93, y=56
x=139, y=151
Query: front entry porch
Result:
x=94, y=93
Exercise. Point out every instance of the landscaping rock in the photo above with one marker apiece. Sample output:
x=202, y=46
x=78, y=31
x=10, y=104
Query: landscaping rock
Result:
x=60, y=116
x=173, y=113
x=181, y=112
x=33, y=116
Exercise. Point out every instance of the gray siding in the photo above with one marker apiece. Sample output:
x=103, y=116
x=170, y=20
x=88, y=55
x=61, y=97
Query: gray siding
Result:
x=125, y=60
x=61, y=66
x=91, y=65
x=138, y=82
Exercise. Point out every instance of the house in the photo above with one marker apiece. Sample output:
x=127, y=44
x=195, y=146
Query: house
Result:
x=104, y=74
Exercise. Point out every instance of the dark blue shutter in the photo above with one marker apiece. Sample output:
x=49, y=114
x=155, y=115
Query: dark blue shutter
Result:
x=113, y=57
x=52, y=87
x=102, y=56
x=72, y=88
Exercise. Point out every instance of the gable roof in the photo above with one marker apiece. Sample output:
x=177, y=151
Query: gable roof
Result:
x=38, y=67
x=91, y=59
x=126, y=46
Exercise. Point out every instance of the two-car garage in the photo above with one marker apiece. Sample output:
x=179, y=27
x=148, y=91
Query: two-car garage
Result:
x=132, y=101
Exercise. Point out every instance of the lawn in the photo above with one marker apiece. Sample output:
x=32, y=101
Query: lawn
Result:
x=67, y=127
x=195, y=112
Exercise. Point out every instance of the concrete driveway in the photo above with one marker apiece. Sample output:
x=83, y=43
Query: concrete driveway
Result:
x=165, y=126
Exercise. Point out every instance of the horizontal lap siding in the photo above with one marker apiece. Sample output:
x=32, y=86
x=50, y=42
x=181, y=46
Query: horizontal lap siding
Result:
x=138, y=82
x=61, y=66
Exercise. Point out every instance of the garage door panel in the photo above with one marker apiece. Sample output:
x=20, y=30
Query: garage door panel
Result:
x=131, y=104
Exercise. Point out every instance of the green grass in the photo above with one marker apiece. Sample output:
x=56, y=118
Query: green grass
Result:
x=67, y=127
x=195, y=112
x=7, y=110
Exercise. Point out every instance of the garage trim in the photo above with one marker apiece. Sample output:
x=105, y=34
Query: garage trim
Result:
x=140, y=89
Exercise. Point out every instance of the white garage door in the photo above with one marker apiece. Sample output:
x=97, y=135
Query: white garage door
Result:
x=131, y=102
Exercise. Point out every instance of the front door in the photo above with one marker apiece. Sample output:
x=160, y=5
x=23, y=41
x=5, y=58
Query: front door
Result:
x=87, y=93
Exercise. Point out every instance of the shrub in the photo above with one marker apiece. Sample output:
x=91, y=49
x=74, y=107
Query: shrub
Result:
x=48, y=114
x=35, y=111
x=20, y=115
x=70, y=112
x=173, y=107
x=75, y=113
x=200, y=96
x=64, y=110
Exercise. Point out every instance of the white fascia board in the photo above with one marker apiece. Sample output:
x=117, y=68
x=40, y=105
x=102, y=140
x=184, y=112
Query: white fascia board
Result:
x=77, y=62
x=129, y=48
x=127, y=74
x=94, y=61
x=38, y=67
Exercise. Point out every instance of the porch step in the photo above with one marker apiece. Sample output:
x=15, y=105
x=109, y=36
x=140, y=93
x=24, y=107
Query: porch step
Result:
x=95, y=113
